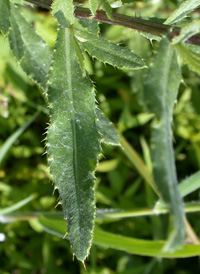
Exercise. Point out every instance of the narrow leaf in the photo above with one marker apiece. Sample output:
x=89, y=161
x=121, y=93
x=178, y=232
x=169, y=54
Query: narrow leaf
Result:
x=10, y=141
x=64, y=12
x=16, y=206
x=4, y=16
x=107, y=130
x=187, y=31
x=191, y=58
x=160, y=92
x=73, y=142
x=119, y=242
x=26, y=43
x=185, y=8
x=108, y=52
x=93, y=6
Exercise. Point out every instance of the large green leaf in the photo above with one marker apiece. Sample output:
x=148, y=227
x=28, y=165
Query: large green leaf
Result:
x=185, y=8
x=64, y=12
x=128, y=244
x=108, y=52
x=4, y=16
x=73, y=142
x=29, y=49
x=160, y=92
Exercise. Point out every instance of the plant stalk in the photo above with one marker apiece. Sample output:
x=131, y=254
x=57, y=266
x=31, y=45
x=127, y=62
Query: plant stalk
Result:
x=139, y=24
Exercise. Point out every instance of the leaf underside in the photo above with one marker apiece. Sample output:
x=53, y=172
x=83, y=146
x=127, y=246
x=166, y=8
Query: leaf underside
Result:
x=73, y=142
x=160, y=92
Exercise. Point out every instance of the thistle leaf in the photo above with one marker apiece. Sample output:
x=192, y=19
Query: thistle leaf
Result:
x=108, y=52
x=64, y=12
x=191, y=58
x=29, y=49
x=160, y=92
x=73, y=142
x=185, y=8
x=4, y=16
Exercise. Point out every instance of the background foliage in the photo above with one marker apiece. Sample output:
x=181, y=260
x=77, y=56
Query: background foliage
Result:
x=25, y=247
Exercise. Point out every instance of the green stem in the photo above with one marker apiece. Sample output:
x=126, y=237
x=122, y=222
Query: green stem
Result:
x=146, y=26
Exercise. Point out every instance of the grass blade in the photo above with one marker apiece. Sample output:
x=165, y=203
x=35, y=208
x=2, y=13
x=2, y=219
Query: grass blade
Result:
x=119, y=242
x=10, y=141
x=16, y=206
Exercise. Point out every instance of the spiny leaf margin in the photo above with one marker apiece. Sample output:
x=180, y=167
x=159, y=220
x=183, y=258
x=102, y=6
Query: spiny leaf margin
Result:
x=73, y=142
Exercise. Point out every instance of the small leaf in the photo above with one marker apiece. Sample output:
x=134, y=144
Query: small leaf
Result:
x=73, y=142
x=29, y=48
x=107, y=8
x=187, y=31
x=110, y=53
x=64, y=12
x=90, y=26
x=107, y=130
x=4, y=16
x=185, y=8
x=93, y=6
x=191, y=58
x=160, y=92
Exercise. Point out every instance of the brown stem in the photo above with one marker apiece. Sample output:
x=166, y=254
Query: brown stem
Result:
x=146, y=26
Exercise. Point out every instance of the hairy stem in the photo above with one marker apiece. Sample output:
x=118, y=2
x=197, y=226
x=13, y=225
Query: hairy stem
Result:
x=146, y=26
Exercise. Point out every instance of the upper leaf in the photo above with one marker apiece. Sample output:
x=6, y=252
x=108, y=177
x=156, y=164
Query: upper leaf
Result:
x=73, y=142
x=64, y=12
x=4, y=16
x=160, y=92
x=108, y=52
x=185, y=8
x=29, y=48
x=187, y=31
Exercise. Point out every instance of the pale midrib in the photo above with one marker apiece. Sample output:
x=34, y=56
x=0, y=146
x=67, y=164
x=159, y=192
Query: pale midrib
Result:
x=69, y=81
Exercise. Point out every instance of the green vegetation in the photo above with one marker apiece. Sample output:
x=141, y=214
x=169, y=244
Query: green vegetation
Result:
x=125, y=194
